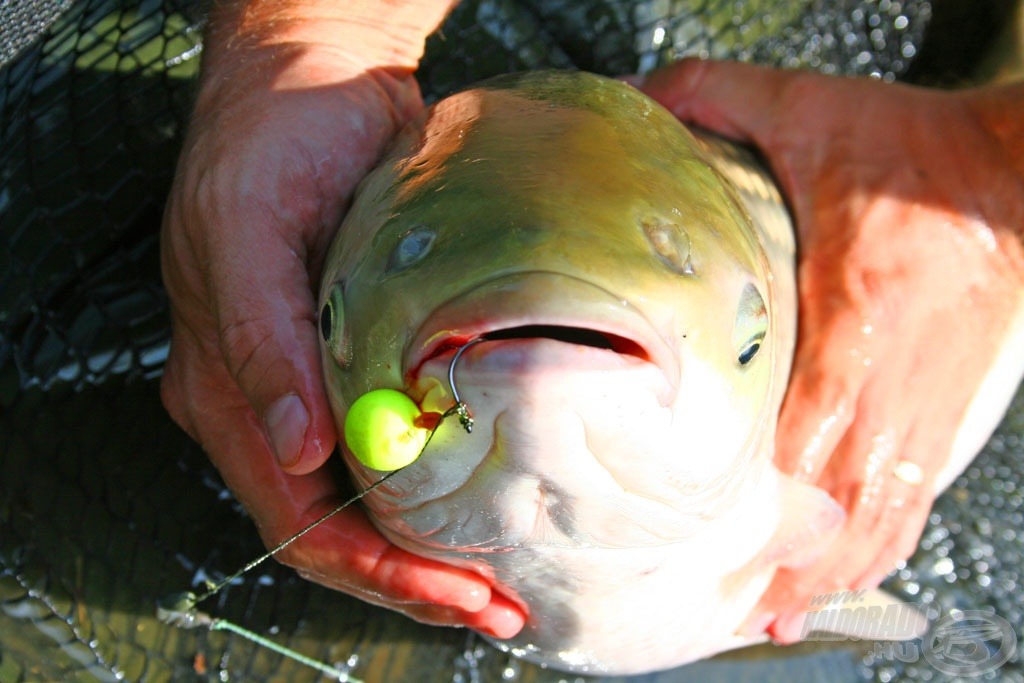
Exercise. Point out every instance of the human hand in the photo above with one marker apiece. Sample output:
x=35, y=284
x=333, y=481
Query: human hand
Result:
x=293, y=110
x=909, y=205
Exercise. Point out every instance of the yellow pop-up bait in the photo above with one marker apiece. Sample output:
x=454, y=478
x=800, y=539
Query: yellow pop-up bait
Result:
x=382, y=432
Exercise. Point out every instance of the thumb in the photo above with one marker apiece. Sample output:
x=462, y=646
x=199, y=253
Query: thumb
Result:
x=740, y=101
x=268, y=337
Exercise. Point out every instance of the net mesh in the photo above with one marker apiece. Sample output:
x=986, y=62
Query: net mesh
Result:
x=105, y=506
x=92, y=112
x=90, y=123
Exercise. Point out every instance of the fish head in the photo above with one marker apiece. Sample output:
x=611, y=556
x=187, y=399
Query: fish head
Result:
x=630, y=357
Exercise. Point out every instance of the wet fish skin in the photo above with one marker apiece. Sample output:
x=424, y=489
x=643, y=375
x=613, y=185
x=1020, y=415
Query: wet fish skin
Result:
x=625, y=496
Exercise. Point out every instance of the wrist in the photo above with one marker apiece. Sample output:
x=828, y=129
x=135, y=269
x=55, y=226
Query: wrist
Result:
x=256, y=47
x=384, y=33
x=354, y=36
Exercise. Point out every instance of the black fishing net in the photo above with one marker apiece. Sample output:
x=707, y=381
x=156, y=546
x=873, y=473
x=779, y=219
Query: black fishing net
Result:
x=105, y=506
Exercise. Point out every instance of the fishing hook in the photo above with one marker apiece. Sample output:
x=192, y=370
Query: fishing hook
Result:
x=180, y=609
x=460, y=408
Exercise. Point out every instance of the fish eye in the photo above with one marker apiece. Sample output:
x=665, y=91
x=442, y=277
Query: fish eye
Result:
x=748, y=352
x=671, y=243
x=412, y=247
x=751, y=325
x=332, y=326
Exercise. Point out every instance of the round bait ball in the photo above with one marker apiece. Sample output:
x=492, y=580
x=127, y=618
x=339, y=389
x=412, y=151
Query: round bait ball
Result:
x=380, y=430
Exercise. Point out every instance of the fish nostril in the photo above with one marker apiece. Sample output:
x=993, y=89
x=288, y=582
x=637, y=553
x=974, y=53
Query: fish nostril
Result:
x=412, y=247
x=671, y=243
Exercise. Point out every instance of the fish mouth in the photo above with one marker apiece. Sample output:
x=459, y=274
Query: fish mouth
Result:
x=573, y=320
x=580, y=336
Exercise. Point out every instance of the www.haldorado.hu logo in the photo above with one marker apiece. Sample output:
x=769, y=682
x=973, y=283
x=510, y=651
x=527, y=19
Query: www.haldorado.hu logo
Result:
x=962, y=644
x=860, y=615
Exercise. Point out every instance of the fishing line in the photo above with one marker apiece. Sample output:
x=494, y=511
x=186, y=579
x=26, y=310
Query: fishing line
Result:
x=179, y=609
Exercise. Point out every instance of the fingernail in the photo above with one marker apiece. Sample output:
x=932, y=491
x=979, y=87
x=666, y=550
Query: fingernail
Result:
x=285, y=422
x=502, y=622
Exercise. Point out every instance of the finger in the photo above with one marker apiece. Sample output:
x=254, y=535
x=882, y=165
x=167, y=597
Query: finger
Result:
x=902, y=543
x=848, y=477
x=500, y=618
x=896, y=537
x=741, y=101
x=888, y=496
x=173, y=392
x=888, y=509
x=860, y=476
x=911, y=489
x=346, y=552
x=265, y=316
x=349, y=554
x=816, y=412
x=830, y=366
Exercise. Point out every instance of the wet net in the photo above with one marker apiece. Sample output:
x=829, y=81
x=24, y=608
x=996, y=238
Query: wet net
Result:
x=105, y=506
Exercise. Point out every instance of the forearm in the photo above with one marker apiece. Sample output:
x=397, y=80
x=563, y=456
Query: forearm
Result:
x=386, y=32
x=361, y=51
x=256, y=39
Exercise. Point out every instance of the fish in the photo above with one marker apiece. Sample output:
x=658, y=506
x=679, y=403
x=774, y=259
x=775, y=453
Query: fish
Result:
x=629, y=289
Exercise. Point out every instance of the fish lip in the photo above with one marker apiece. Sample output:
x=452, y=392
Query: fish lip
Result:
x=504, y=302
